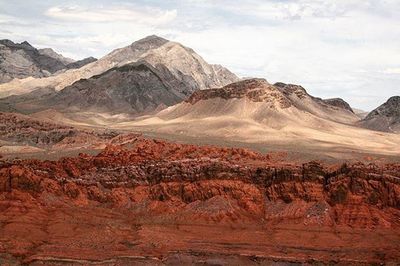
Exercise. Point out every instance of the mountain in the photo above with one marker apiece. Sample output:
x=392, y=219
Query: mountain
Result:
x=167, y=74
x=22, y=60
x=258, y=100
x=384, y=118
x=184, y=65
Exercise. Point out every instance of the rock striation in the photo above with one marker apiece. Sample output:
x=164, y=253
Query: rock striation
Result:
x=188, y=173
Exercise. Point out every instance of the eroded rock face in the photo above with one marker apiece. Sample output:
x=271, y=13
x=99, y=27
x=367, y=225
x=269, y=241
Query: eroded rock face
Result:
x=145, y=193
x=187, y=173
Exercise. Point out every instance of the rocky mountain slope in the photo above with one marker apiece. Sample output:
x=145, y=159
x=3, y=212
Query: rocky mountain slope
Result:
x=384, y=118
x=135, y=88
x=22, y=60
x=183, y=63
x=153, y=202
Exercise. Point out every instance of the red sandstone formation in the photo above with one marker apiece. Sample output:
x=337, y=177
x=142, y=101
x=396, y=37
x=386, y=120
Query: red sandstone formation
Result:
x=165, y=203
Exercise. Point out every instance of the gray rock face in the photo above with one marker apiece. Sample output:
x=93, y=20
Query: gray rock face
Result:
x=136, y=88
x=384, y=118
x=22, y=60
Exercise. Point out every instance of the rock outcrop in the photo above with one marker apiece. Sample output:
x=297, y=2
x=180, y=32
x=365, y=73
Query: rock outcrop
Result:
x=188, y=173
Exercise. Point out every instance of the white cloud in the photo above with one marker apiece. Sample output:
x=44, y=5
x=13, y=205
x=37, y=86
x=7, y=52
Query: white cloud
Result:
x=391, y=70
x=149, y=16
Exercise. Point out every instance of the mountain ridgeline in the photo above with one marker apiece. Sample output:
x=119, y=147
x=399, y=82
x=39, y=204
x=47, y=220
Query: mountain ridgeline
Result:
x=154, y=73
x=22, y=60
x=142, y=78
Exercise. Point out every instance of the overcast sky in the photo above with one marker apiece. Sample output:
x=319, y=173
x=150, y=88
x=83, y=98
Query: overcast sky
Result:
x=338, y=48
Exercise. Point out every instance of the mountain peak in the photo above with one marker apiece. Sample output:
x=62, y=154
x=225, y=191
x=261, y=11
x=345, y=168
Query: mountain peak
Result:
x=154, y=37
x=26, y=43
x=150, y=41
